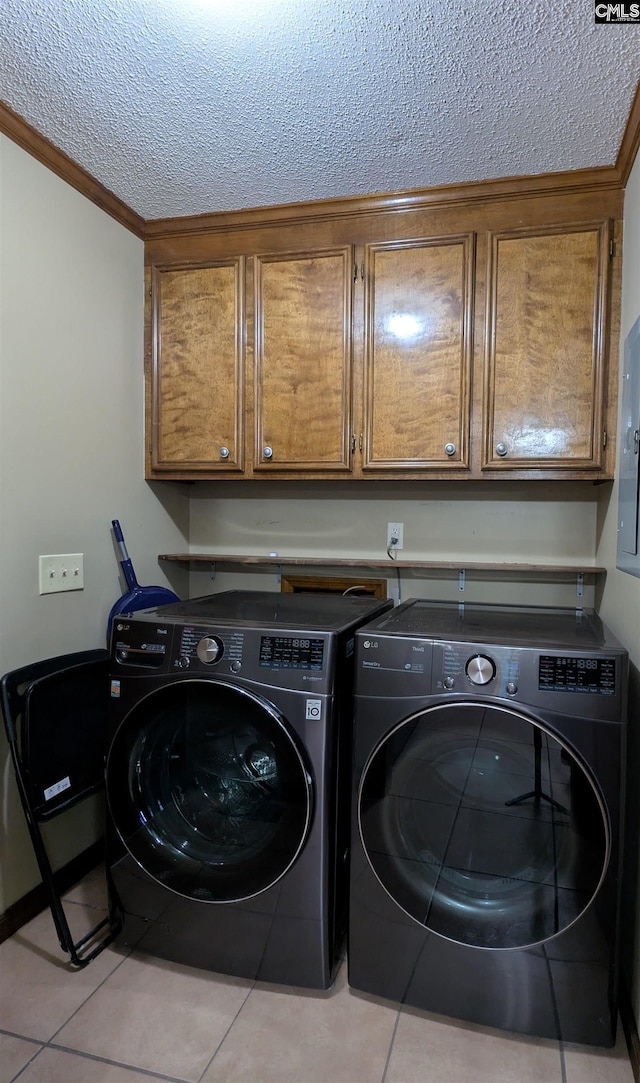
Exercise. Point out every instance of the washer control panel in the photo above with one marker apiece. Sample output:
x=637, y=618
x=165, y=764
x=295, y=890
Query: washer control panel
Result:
x=292, y=652
x=199, y=648
x=296, y=661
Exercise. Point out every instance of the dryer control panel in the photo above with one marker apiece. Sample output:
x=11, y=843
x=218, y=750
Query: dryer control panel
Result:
x=568, y=682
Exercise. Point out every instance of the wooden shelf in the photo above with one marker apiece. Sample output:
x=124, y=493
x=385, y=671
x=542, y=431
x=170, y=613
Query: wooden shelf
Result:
x=388, y=564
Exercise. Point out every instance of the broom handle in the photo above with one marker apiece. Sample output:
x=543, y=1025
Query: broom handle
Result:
x=125, y=563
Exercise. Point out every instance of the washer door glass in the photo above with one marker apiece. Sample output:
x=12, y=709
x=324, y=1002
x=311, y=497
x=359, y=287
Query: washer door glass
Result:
x=482, y=826
x=209, y=791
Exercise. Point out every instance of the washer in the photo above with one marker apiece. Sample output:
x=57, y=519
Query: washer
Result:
x=486, y=845
x=228, y=781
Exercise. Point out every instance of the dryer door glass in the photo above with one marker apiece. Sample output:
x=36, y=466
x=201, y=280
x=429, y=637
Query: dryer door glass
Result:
x=209, y=790
x=482, y=826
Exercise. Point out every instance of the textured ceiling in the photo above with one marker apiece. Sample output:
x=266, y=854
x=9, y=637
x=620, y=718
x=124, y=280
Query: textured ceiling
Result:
x=184, y=107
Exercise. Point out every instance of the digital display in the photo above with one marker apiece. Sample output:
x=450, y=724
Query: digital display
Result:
x=288, y=652
x=560, y=673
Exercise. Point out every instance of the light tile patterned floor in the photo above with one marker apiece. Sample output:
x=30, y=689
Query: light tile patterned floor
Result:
x=128, y=1018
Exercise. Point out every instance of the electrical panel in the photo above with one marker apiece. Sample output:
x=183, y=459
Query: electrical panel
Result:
x=628, y=555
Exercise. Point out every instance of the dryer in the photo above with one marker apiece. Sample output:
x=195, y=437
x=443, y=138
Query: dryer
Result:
x=489, y=750
x=228, y=781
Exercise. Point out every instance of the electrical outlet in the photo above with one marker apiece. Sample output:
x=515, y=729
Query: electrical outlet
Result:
x=62, y=571
x=395, y=535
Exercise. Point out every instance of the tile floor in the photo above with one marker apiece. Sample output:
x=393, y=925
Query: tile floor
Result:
x=128, y=1018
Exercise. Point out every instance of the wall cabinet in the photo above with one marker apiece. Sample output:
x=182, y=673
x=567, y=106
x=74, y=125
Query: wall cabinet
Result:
x=302, y=361
x=386, y=346
x=418, y=300
x=545, y=348
x=195, y=410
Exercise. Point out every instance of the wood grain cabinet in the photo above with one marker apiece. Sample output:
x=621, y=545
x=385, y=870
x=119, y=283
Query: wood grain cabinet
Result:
x=418, y=297
x=303, y=362
x=403, y=306
x=385, y=347
x=545, y=348
x=195, y=403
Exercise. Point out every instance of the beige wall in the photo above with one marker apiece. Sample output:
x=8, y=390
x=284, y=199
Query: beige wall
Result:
x=620, y=608
x=534, y=522
x=71, y=454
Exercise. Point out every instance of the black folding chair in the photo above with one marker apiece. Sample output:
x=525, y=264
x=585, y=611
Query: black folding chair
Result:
x=55, y=715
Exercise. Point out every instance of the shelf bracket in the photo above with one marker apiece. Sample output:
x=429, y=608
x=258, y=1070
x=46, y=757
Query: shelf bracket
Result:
x=212, y=570
x=461, y=577
x=279, y=574
x=580, y=584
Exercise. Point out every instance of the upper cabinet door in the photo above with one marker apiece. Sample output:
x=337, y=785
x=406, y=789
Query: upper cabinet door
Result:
x=545, y=345
x=418, y=351
x=198, y=369
x=302, y=392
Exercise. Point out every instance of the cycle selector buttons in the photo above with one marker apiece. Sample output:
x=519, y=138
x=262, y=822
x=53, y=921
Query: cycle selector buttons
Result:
x=480, y=669
x=209, y=650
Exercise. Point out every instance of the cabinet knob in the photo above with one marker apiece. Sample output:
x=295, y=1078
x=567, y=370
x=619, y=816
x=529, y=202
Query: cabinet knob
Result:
x=501, y=450
x=267, y=452
x=450, y=449
x=224, y=452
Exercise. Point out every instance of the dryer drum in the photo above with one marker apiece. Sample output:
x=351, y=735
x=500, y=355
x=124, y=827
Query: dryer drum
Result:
x=483, y=826
x=209, y=790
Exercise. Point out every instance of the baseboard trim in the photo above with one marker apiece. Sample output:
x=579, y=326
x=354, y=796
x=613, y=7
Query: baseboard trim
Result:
x=630, y=1028
x=35, y=901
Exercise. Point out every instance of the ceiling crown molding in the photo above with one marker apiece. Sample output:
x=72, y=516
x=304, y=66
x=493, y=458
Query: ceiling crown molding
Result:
x=35, y=144
x=630, y=141
x=22, y=133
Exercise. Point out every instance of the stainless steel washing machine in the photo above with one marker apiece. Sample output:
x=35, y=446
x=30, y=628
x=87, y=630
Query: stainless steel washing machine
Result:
x=489, y=754
x=228, y=781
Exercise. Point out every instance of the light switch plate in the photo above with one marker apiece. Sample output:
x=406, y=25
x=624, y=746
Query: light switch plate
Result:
x=61, y=571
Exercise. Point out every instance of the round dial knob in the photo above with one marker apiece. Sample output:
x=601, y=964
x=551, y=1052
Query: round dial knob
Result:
x=480, y=669
x=209, y=650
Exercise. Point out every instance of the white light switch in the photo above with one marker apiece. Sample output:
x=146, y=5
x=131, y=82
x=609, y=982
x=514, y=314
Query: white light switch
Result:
x=62, y=571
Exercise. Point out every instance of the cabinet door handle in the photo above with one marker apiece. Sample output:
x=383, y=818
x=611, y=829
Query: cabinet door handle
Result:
x=501, y=450
x=449, y=449
x=267, y=452
x=224, y=452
